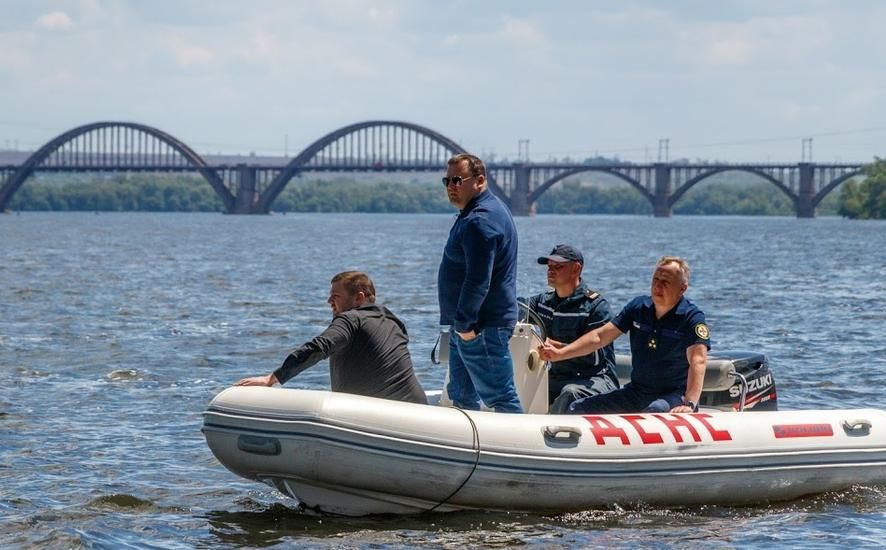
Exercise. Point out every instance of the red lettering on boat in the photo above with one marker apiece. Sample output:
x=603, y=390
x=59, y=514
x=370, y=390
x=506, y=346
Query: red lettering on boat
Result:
x=678, y=425
x=717, y=435
x=648, y=438
x=678, y=421
x=601, y=428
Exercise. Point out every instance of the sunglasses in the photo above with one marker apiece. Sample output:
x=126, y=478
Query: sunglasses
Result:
x=455, y=180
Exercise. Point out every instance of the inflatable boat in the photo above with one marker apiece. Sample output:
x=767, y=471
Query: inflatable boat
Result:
x=346, y=454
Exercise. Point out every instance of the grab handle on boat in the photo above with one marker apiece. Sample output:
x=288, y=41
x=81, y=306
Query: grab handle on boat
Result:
x=259, y=445
x=554, y=433
x=857, y=427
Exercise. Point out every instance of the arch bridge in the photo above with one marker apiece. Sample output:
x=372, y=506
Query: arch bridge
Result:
x=663, y=184
x=385, y=146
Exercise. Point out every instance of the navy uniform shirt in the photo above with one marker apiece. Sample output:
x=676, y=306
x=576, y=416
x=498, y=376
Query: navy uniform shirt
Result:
x=658, y=346
x=566, y=319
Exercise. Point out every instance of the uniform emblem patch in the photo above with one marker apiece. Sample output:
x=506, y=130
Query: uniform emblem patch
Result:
x=701, y=330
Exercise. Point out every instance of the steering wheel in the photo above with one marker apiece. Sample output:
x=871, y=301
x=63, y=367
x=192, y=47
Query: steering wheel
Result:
x=529, y=315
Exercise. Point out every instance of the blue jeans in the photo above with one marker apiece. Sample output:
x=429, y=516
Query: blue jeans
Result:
x=482, y=369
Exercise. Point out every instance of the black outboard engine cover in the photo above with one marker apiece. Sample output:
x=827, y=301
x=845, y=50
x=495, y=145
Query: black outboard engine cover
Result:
x=753, y=382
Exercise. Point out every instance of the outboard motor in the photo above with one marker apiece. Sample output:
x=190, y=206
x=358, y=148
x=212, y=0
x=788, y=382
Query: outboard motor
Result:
x=746, y=382
x=734, y=381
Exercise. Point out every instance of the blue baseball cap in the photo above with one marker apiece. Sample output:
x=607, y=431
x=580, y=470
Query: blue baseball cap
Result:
x=563, y=253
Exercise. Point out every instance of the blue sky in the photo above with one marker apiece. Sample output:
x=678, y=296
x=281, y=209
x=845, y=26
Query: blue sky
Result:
x=725, y=80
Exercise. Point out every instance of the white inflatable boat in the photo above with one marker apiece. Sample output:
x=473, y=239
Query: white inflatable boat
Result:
x=352, y=455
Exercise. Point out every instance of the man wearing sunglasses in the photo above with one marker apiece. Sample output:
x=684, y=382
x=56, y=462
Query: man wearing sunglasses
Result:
x=477, y=291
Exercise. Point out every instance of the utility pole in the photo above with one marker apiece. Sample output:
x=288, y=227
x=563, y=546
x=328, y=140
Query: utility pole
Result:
x=806, y=150
x=523, y=150
x=664, y=145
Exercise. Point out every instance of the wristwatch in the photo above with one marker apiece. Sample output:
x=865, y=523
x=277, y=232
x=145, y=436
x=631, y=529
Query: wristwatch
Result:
x=690, y=403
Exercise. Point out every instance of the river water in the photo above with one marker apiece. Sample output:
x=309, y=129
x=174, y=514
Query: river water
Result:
x=117, y=329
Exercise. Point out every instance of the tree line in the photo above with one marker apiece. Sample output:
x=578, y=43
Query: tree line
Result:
x=190, y=193
x=866, y=200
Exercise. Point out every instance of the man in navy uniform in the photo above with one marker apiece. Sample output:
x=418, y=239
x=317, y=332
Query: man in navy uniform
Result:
x=669, y=348
x=569, y=310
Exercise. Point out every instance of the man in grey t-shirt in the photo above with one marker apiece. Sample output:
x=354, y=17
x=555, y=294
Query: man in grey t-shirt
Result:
x=365, y=344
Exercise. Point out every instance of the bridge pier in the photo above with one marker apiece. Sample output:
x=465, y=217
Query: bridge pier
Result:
x=519, y=200
x=661, y=205
x=806, y=193
x=246, y=201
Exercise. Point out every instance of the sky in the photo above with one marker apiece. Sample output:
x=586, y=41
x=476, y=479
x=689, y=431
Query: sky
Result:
x=736, y=81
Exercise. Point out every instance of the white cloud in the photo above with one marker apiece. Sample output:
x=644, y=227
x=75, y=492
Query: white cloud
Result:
x=61, y=79
x=624, y=73
x=388, y=15
x=795, y=111
x=759, y=40
x=861, y=98
x=451, y=40
x=55, y=20
x=189, y=55
x=730, y=51
x=523, y=33
x=15, y=50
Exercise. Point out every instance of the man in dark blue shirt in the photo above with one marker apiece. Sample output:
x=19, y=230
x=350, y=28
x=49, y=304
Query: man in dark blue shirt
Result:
x=477, y=290
x=569, y=310
x=669, y=348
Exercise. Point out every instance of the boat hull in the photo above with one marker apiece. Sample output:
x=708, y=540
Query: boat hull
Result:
x=354, y=455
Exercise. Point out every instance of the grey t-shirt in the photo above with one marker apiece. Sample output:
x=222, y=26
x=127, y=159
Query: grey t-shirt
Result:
x=367, y=352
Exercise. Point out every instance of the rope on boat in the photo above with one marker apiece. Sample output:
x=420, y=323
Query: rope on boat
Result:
x=476, y=443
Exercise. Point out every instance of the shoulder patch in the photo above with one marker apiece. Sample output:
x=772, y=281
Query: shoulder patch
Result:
x=701, y=330
x=592, y=294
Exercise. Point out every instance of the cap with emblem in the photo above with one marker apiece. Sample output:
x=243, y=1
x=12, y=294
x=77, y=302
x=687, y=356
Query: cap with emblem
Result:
x=563, y=253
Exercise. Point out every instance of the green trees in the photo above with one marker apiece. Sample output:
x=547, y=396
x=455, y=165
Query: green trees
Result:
x=353, y=196
x=186, y=193
x=190, y=193
x=128, y=192
x=865, y=200
x=737, y=199
x=570, y=197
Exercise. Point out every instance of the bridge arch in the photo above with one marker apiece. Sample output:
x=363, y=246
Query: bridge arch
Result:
x=539, y=191
x=17, y=179
x=689, y=184
x=336, y=142
x=833, y=184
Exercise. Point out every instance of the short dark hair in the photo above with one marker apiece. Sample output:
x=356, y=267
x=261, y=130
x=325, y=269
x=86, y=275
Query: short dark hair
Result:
x=356, y=281
x=475, y=165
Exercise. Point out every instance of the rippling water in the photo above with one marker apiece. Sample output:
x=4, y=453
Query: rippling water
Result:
x=117, y=329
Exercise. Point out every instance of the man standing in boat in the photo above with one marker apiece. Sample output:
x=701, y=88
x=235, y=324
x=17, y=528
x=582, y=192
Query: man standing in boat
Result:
x=365, y=344
x=477, y=290
x=669, y=348
x=569, y=310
